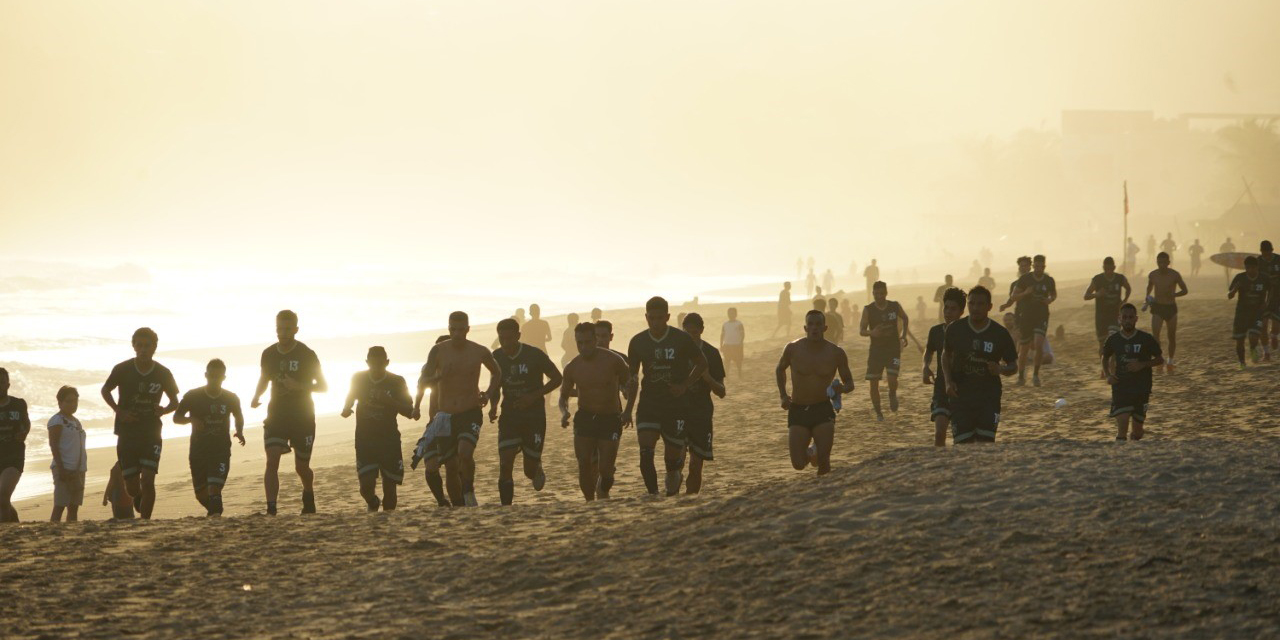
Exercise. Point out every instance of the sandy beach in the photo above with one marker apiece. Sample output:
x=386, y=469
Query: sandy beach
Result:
x=1055, y=531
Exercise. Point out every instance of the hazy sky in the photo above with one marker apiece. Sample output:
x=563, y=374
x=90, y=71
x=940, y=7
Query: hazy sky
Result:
x=589, y=135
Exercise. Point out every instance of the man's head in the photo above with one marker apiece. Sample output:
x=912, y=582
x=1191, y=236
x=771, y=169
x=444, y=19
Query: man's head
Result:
x=733, y=313
x=953, y=301
x=604, y=334
x=1169, y=236
x=693, y=325
x=584, y=335
x=4, y=382
x=535, y=311
x=786, y=286
x=377, y=360
x=873, y=262
x=833, y=304
x=880, y=291
x=986, y=271
x=1108, y=265
x=508, y=333
x=459, y=326
x=68, y=400
x=1251, y=266
x=1024, y=264
x=1037, y=264
x=1265, y=247
x=1128, y=317
x=144, y=343
x=572, y=319
x=979, y=303
x=1162, y=260
x=815, y=324
x=948, y=279
x=820, y=303
x=215, y=372
x=286, y=325
x=596, y=314
x=656, y=313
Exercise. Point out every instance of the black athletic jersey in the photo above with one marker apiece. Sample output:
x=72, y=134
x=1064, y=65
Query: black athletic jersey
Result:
x=700, y=393
x=523, y=372
x=300, y=365
x=141, y=394
x=971, y=350
x=214, y=414
x=666, y=361
x=1251, y=293
x=1013, y=286
x=1041, y=289
x=876, y=316
x=15, y=424
x=1109, y=292
x=1271, y=269
x=376, y=402
x=1139, y=347
x=937, y=341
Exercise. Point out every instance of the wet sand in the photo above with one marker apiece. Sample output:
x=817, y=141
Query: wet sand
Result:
x=1055, y=531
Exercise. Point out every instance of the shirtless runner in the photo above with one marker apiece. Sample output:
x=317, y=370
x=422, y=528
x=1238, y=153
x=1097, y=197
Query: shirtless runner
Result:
x=596, y=375
x=1164, y=287
x=454, y=366
x=814, y=363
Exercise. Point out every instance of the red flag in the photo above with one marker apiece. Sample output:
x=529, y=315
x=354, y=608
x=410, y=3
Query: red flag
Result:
x=1126, y=197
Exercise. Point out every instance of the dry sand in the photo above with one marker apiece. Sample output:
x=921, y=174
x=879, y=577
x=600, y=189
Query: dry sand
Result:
x=1056, y=531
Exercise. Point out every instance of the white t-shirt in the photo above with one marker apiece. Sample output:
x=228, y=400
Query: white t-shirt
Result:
x=733, y=333
x=71, y=443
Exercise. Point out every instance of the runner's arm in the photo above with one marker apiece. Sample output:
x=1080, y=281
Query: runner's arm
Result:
x=1091, y=292
x=781, y=373
x=495, y=374
x=171, y=391
x=842, y=369
x=180, y=414
x=1182, y=287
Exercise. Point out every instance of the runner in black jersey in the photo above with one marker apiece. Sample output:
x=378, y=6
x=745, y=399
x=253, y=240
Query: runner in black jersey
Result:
x=1135, y=353
x=528, y=375
x=698, y=427
x=293, y=371
x=143, y=383
x=953, y=301
x=1024, y=267
x=209, y=411
x=1110, y=290
x=15, y=424
x=381, y=396
x=1269, y=266
x=974, y=348
x=885, y=322
x=1036, y=290
x=1253, y=289
x=672, y=363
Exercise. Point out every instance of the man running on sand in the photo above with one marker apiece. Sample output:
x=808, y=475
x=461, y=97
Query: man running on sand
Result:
x=596, y=376
x=382, y=396
x=698, y=427
x=454, y=367
x=672, y=362
x=1036, y=290
x=1167, y=286
x=426, y=448
x=209, y=410
x=1110, y=290
x=1253, y=289
x=142, y=382
x=784, y=310
x=1269, y=266
x=15, y=424
x=528, y=375
x=814, y=363
x=1135, y=353
x=973, y=351
x=885, y=323
x=953, y=302
x=293, y=371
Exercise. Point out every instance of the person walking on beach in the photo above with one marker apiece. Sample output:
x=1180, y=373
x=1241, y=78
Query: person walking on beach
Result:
x=1196, y=250
x=948, y=283
x=733, y=338
x=872, y=275
x=834, y=320
x=986, y=281
x=672, y=362
x=1164, y=287
x=293, y=371
x=1168, y=245
x=698, y=426
x=528, y=376
x=1269, y=266
x=209, y=410
x=1036, y=290
x=70, y=459
x=15, y=424
x=1109, y=289
x=378, y=397
x=1251, y=290
x=142, y=383
x=885, y=322
x=953, y=302
x=536, y=331
x=1134, y=353
x=977, y=352
x=454, y=367
x=784, y=310
x=426, y=447
x=814, y=363
x=567, y=343
x=596, y=376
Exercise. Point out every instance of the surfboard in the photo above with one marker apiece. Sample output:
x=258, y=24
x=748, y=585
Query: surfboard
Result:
x=1233, y=260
